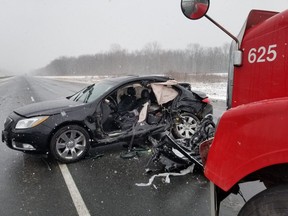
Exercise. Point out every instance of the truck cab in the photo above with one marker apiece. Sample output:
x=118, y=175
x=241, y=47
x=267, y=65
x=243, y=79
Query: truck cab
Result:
x=250, y=139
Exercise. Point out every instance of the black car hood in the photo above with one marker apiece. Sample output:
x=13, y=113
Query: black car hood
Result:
x=47, y=108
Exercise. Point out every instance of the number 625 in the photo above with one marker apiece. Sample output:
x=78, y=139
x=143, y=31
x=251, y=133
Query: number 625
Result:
x=262, y=54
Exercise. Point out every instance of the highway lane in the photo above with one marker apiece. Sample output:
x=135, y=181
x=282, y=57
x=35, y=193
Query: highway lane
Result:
x=33, y=186
x=28, y=185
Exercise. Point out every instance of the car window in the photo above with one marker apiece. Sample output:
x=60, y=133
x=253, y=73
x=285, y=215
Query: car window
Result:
x=91, y=93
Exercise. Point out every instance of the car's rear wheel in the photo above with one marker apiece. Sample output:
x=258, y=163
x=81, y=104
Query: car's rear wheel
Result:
x=270, y=202
x=185, y=125
x=70, y=144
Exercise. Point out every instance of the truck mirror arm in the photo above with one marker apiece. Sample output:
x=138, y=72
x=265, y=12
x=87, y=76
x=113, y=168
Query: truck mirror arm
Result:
x=223, y=29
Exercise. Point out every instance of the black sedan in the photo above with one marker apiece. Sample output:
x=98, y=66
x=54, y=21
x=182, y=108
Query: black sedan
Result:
x=112, y=110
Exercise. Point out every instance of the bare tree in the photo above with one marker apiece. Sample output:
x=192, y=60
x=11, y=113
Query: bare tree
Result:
x=152, y=59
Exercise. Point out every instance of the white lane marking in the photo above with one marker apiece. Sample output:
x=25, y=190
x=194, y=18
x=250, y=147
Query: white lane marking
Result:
x=74, y=192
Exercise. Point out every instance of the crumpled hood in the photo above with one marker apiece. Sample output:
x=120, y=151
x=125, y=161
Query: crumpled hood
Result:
x=47, y=108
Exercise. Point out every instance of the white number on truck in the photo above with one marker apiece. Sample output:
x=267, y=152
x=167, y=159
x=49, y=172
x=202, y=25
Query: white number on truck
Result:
x=262, y=54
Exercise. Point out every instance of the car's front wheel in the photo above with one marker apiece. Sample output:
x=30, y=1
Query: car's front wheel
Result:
x=70, y=144
x=185, y=125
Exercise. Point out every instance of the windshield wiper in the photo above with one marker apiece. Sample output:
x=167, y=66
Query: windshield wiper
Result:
x=88, y=95
x=79, y=95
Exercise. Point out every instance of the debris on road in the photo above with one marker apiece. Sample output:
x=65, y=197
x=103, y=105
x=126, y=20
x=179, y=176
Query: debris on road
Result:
x=167, y=176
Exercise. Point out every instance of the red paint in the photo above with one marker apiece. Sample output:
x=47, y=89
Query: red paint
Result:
x=248, y=137
x=263, y=80
x=252, y=134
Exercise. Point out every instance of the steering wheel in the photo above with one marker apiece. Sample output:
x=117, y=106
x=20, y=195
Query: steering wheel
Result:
x=112, y=103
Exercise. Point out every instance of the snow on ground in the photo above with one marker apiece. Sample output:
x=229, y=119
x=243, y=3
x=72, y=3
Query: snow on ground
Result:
x=215, y=90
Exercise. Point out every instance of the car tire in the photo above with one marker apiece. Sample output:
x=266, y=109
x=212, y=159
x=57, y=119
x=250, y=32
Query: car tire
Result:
x=185, y=125
x=270, y=202
x=70, y=144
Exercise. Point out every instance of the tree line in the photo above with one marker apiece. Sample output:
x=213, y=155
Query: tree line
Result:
x=195, y=59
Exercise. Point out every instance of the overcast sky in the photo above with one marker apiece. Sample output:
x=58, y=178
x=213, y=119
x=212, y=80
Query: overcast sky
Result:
x=34, y=32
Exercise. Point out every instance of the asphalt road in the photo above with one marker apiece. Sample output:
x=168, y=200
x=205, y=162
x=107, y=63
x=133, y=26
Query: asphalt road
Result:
x=101, y=184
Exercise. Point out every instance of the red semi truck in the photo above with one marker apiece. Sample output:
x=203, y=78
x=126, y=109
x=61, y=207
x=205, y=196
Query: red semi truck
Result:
x=250, y=142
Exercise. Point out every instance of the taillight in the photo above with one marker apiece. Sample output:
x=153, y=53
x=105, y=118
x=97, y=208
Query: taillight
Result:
x=206, y=100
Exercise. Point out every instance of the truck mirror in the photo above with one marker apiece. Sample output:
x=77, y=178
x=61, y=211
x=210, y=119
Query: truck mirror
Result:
x=194, y=9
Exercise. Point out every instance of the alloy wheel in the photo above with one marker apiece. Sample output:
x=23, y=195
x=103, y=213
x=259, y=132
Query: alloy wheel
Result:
x=70, y=143
x=187, y=126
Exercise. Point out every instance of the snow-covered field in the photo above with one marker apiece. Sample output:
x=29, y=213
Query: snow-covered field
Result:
x=215, y=90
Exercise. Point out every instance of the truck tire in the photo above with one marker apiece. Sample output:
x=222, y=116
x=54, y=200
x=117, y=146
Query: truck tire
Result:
x=270, y=202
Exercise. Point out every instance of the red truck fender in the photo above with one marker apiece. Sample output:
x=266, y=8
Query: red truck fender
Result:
x=248, y=137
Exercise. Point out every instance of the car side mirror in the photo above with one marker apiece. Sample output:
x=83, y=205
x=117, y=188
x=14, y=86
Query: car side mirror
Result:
x=194, y=9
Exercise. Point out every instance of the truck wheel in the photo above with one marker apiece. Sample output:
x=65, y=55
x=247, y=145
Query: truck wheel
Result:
x=270, y=202
x=70, y=144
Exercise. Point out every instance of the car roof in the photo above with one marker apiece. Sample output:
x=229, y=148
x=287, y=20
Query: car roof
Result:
x=124, y=79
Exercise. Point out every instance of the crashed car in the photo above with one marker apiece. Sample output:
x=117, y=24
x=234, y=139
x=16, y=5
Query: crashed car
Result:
x=109, y=111
x=177, y=154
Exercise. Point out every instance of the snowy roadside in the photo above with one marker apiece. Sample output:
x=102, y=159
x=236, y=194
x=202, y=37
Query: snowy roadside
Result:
x=215, y=90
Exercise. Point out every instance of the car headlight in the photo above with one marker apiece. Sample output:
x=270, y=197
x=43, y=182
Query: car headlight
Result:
x=30, y=122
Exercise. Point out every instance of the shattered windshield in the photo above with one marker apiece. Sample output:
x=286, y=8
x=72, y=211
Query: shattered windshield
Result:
x=91, y=92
